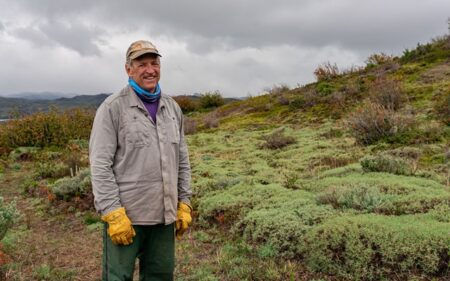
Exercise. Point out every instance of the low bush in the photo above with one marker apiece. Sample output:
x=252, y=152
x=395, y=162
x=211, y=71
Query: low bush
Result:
x=442, y=108
x=45, y=129
x=362, y=197
x=68, y=187
x=325, y=88
x=186, y=104
x=379, y=192
x=277, y=89
x=23, y=154
x=211, y=100
x=284, y=226
x=190, y=126
x=387, y=93
x=441, y=213
x=326, y=71
x=375, y=247
x=410, y=154
x=304, y=100
x=277, y=140
x=211, y=120
x=8, y=214
x=29, y=184
x=51, y=170
x=387, y=164
x=372, y=122
x=378, y=59
x=235, y=201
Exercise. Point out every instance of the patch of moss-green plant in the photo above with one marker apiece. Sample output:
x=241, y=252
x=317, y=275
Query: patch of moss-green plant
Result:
x=373, y=247
x=68, y=187
x=8, y=215
x=283, y=226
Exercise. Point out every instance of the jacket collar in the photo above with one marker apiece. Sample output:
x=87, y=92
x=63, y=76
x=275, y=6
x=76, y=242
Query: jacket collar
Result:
x=135, y=101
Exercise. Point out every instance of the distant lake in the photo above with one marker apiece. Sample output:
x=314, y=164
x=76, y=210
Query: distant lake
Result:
x=4, y=120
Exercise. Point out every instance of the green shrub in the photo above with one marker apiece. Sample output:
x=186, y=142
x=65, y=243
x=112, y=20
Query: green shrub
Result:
x=29, y=184
x=51, y=170
x=283, y=227
x=68, y=187
x=235, y=201
x=304, y=100
x=425, y=134
x=211, y=99
x=45, y=129
x=387, y=164
x=383, y=193
x=359, y=197
x=442, y=108
x=441, y=213
x=23, y=154
x=374, y=247
x=324, y=88
x=8, y=214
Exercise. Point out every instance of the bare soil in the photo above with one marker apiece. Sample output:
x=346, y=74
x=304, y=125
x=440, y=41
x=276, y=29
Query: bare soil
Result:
x=45, y=246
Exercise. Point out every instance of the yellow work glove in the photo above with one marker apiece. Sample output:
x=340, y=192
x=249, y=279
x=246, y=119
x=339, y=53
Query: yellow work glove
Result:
x=119, y=227
x=183, y=219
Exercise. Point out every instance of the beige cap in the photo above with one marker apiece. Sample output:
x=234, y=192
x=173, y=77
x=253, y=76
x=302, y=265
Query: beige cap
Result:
x=140, y=48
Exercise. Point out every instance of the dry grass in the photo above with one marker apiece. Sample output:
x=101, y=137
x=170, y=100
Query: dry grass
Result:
x=61, y=242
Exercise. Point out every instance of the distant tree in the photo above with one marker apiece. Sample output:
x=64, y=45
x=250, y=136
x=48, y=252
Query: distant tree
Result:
x=211, y=99
x=186, y=104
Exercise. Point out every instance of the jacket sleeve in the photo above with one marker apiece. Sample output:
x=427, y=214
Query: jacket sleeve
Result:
x=184, y=168
x=102, y=149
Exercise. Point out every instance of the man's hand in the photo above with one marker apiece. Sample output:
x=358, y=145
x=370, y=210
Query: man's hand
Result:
x=119, y=227
x=184, y=219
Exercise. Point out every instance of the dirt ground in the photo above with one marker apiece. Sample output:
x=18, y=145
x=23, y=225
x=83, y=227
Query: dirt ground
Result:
x=41, y=246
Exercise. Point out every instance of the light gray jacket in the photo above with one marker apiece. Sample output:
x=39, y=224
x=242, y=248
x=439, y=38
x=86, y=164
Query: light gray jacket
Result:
x=136, y=163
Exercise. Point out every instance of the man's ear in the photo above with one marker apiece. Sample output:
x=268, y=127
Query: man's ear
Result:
x=128, y=68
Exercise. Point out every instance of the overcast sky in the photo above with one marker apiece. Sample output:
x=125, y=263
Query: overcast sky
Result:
x=239, y=47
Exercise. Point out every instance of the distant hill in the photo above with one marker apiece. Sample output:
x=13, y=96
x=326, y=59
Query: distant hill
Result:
x=37, y=102
x=27, y=106
x=39, y=95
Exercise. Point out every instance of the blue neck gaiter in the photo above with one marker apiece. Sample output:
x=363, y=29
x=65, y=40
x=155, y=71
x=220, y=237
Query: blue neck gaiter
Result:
x=143, y=94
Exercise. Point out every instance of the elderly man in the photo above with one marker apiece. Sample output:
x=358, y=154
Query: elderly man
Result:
x=140, y=172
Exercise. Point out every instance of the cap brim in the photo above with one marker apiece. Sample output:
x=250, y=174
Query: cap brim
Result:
x=137, y=54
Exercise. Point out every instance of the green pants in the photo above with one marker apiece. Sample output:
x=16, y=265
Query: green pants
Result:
x=154, y=245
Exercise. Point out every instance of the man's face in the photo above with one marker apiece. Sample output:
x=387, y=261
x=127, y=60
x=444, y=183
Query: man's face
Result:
x=145, y=70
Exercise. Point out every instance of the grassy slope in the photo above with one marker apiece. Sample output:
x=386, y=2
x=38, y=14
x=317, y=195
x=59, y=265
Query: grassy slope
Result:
x=283, y=201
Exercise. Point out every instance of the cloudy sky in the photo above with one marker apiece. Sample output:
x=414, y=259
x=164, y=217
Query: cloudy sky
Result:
x=239, y=47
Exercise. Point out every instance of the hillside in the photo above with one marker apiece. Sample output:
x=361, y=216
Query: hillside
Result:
x=23, y=106
x=347, y=178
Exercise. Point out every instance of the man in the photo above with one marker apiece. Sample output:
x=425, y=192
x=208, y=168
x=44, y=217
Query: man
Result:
x=140, y=172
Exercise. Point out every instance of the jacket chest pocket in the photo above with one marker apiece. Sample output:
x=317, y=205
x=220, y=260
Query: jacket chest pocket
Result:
x=137, y=133
x=173, y=130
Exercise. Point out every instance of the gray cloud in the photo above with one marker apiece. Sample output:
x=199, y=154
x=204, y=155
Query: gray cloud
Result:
x=234, y=46
x=75, y=36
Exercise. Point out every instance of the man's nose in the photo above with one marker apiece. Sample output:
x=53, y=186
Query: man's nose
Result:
x=150, y=69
